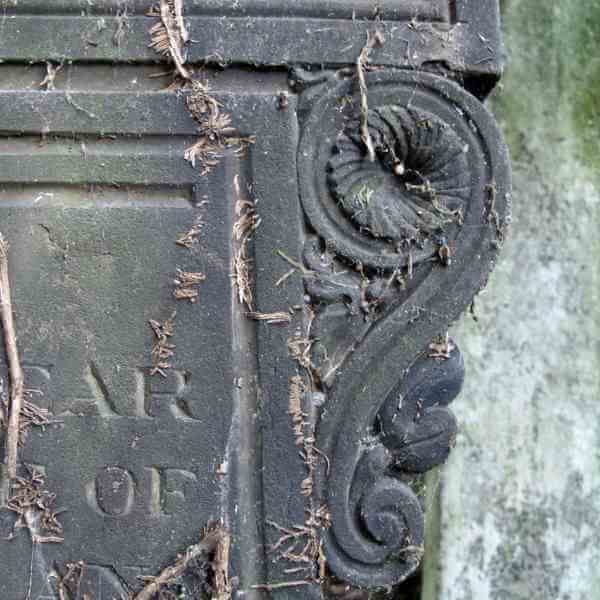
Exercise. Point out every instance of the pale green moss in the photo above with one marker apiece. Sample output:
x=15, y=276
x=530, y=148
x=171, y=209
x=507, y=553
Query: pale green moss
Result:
x=552, y=79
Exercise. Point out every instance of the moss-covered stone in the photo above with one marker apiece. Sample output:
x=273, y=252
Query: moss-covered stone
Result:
x=521, y=493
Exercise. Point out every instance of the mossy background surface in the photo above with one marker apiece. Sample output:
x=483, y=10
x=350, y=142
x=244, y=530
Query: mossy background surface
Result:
x=520, y=497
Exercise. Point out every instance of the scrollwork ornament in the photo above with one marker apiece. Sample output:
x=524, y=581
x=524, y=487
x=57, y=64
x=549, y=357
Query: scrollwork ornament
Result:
x=441, y=179
x=418, y=184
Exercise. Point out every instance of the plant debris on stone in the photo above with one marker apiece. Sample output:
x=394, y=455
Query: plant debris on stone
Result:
x=213, y=547
x=34, y=506
x=375, y=39
x=247, y=222
x=170, y=35
x=190, y=237
x=301, y=546
x=163, y=350
x=69, y=584
x=215, y=130
x=51, y=72
x=186, y=285
x=274, y=317
x=17, y=384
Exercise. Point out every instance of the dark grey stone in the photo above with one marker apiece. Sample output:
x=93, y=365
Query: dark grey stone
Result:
x=95, y=191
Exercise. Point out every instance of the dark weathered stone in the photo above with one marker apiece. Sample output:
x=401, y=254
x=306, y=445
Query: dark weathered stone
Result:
x=464, y=34
x=322, y=424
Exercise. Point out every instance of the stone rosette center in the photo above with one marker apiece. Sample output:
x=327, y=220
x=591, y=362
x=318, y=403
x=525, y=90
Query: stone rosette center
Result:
x=418, y=183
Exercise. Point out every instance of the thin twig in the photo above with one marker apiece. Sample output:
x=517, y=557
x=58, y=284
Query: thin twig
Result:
x=274, y=317
x=176, y=33
x=121, y=27
x=34, y=506
x=210, y=543
x=284, y=584
x=376, y=39
x=247, y=222
x=16, y=372
x=186, y=284
x=189, y=238
x=169, y=34
x=162, y=350
x=285, y=277
x=51, y=72
x=306, y=272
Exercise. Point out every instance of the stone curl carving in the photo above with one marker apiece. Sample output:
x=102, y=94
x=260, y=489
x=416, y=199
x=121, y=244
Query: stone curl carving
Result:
x=416, y=425
x=382, y=287
x=416, y=432
x=418, y=183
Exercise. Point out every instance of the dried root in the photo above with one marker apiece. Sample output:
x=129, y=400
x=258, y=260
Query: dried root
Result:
x=215, y=131
x=241, y=276
x=31, y=416
x=362, y=61
x=299, y=349
x=34, y=506
x=301, y=545
x=304, y=433
x=215, y=542
x=169, y=35
x=205, y=109
x=186, y=284
x=297, y=389
x=163, y=350
x=17, y=385
x=274, y=317
x=69, y=585
x=190, y=237
x=51, y=72
x=247, y=222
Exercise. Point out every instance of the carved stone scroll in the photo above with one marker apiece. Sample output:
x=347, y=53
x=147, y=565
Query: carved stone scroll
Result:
x=404, y=243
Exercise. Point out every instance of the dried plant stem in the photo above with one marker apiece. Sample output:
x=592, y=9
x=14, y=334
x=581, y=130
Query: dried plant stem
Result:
x=363, y=58
x=221, y=566
x=170, y=35
x=16, y=372
x=162, y=350
x=247, y=223
x=34, y=506
x=186, y=284
x=73, y=576
x=178, y=9
x=274, y=317
x=51, y=72
x=176, y=35
x=211, y=542
x=269, y=587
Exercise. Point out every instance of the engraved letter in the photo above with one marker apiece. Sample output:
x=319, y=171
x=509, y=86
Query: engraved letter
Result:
x=112, y=492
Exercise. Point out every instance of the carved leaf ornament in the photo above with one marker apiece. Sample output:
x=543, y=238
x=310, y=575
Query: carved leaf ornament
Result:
x=440, y=179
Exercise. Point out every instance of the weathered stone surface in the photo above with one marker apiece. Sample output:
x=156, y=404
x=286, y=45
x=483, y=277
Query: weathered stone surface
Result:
x=462, y=33
x=140, y=462
x=301, y=398
x=520, y=495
